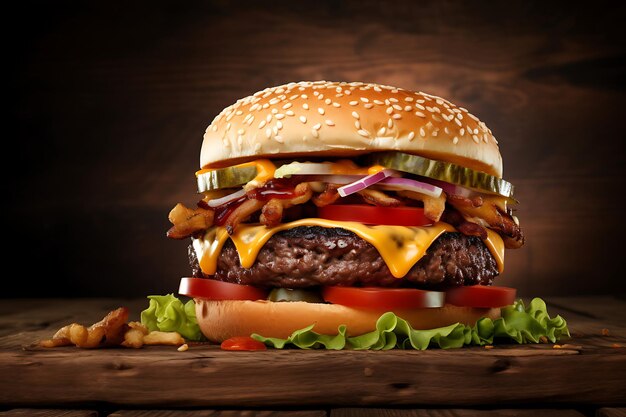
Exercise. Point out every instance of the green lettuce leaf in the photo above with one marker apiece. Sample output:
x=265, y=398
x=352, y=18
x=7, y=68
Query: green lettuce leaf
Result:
x=518, y=323
x=167, y=313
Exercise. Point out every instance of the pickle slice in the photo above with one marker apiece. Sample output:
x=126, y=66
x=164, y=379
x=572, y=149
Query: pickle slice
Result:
x=225, y=178
x=288, y=294
x=443, y=171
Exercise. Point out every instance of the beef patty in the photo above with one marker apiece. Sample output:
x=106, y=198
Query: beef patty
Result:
x=309, y=256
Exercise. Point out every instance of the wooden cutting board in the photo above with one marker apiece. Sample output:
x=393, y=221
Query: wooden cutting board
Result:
x=589, y=368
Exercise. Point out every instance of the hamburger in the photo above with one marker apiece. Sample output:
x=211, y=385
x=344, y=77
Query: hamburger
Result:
x=331, y=203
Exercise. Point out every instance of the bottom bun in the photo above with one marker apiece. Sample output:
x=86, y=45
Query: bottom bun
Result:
x=221, y=320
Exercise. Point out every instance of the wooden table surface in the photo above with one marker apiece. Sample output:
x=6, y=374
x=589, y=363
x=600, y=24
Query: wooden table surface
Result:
x=586, y=373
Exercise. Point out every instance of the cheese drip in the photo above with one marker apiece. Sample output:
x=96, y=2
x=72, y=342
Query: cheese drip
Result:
x=400, y=247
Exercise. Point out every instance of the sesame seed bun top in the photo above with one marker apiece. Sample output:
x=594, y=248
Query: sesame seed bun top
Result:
x=345, y=119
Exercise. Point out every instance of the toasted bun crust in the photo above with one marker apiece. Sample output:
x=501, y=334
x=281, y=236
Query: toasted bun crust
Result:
x=344, y=119
x=221, y=320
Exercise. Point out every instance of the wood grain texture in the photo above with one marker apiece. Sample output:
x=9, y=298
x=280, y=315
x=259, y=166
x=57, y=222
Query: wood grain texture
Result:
x=219, y=413
x=611, y=412
x=111, y=103
x=33, y=412
x=588, y=369
x=382, y=412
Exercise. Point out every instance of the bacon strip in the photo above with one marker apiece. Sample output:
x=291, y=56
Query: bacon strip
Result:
x=433, y=206
x=272, y=212
x=328, y=196
x=378, y=198
x=188, y=221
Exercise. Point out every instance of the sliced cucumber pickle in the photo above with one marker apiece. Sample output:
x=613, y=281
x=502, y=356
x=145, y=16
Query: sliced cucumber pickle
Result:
x=443, y=171
x=225, y=178
x=288, y=294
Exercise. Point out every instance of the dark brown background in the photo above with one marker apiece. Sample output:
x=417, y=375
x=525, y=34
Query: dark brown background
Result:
x=109, y=101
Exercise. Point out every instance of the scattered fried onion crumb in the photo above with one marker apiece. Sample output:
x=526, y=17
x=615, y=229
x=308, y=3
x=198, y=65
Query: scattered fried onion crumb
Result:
x=605, y=332
x=616, y=345
x=488, y=346
x=112, y=330
x=182, y=348
x=557, y=347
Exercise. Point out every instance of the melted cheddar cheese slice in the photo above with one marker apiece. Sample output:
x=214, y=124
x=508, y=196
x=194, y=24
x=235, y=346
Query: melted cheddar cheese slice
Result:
x=400, y=247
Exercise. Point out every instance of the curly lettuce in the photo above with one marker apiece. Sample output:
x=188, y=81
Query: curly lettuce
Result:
x=518, y=323
x=166, y=313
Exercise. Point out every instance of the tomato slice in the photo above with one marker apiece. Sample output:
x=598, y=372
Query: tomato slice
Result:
x=211, y=289
x=366, y=214
x=242, y=343
x=376, y=298
x=481, y=296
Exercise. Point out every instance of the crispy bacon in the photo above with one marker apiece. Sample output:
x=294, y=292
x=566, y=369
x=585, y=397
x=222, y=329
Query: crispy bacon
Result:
x=468, y=228
x=457, y=200
x=491, y=215
x=378, y=198
x=272, y=212
x=241, y=213
x=188, y=221
x=433, y=206
x=326, y=197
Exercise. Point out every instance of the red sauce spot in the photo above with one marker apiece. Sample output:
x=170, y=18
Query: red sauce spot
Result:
x=242, y=343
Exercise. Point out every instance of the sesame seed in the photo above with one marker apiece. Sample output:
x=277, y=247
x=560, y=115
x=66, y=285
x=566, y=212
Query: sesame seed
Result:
x=456, y=140
x=254, y=107
x=316, y=93
x=320, y=97
x=382, y=131
x=368, y=105
x=462, y=132
x=395, y=90
x=295, y=96
x=274, y=111
x=473, y=117
x=420, y=114
x=387, y=102
x=330, y=122
x=408, y=108
x=275, y=100
x=409, y=99
x=280, y=116
x=353, y=103
x=357, y=124
x=393, y=99
x=459, y=116
x=436, y=118
x=430, y=109
x=435, y=132
x=445, y=129
x=275, y=130
x=377, y=89
x=458, y=122
x=365, y=100
x=389, y=110
x=214, y=128
x=363, y=133
x=286, y=106
x=257, y=147
x=422, y=101
x=328, y=101
x=305, y=106
x=241, y=131
x=439, y=101
x=290, y=113
x=339, y=95
x=347, y=92
x=279, y=139
x=475, y=131
x=320, y=110
x=262, y=124
x=268, y=132
x=228, y=127
x=422, y=132
x=265, y=106
x=338, y=89
x=411, y=135
x=230, y=116
x=317, y=126
x=397, y=116
x=304, y=96
x=389, y=123
x=355, y=115
x=397, y=107
x=303, y=119
x=314, y=133
x=279, y=125
x=378, y=102
x=437, y=110
x=335, y=104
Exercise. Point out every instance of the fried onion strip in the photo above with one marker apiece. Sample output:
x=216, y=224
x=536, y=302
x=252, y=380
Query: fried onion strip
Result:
x=272, y=212
x=433, y=206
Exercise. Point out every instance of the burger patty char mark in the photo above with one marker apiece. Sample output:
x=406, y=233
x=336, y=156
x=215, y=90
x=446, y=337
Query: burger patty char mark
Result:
x=308, y=256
